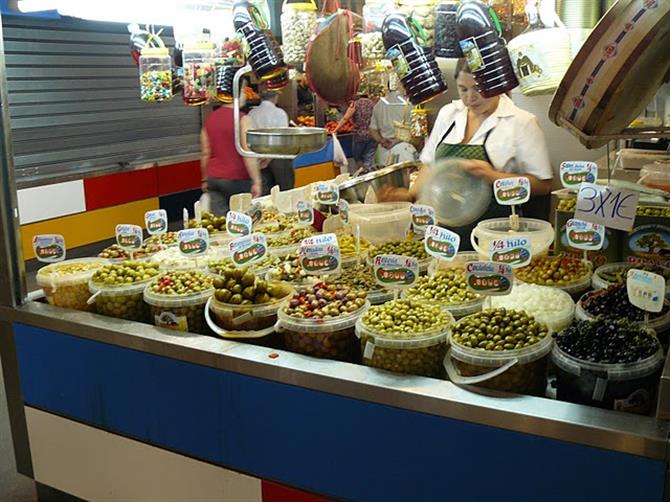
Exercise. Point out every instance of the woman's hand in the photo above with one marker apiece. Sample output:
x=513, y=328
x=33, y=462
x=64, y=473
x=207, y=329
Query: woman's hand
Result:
x=256, y=190
x=394, y=194
x=204, y=186
x=481, y=169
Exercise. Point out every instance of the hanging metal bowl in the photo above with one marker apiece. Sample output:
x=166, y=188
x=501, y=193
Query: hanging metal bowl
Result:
x=286, y=140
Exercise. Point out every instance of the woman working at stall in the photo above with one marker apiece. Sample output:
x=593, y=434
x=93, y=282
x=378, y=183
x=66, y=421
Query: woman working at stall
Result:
x=496, y=140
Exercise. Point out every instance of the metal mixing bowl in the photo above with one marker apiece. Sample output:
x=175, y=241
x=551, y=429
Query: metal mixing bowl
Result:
x=286, y=140
x=396, y=175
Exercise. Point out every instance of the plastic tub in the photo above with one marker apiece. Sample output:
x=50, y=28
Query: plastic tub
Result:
x=328, y=338
x=558, y=312
x=540, y=232
x=65, y=284
x=574, y=288
x=121, y=301
x=522, y=371
x=379, y=223
x=282, y=251
x=600, y=281
x=656, y=175
x=625, y=387
x=422, y=355
x=179, y=312
x=459, y=261
x=172, y=259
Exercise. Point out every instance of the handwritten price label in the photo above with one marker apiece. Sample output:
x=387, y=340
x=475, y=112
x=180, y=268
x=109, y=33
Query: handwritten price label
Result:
x=576, y=172
x=238, y=224
x=193, y=241
x=441, y=243
x=512, y=191
x=607, y=205
x=585, y=235
x=646, y=290
x=515, y=252
x=327, y=193
x=49, y=248
x=343, y=207
x=305, y=212
x=156, y=222
x=129, y=237
x=248, y=249
x=320, y=255
x=395, y=271
x=422, y=216
x=489, y=278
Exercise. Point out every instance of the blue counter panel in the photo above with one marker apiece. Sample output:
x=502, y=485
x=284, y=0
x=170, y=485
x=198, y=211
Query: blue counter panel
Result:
x=320, y=442
x=318, y=157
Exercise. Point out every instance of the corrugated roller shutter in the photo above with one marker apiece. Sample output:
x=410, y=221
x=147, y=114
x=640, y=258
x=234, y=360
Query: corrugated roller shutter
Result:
x=74, y=101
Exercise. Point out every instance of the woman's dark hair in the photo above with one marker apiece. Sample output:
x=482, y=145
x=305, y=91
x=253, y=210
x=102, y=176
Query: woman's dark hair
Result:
x=461, y=66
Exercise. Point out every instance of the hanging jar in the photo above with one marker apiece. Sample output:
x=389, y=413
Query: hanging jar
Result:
x=298, y=22
x=423, y=12
x=418, y=124
x=155, y=75
x=446, y=39
x=199, y=74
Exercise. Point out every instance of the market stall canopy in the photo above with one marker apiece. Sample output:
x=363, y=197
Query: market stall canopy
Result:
x=620, y=67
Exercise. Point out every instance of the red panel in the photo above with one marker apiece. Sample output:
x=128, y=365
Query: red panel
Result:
x=120, y=188
x=179, y=177
x=273, y=492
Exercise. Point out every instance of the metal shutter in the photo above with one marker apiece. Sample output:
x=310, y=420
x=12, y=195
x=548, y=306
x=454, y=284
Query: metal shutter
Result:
x=74, y=102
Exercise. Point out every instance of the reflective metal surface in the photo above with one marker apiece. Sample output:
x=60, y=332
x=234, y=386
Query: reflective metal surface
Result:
x=626, y=433
x=287, y=140
x=396, y=175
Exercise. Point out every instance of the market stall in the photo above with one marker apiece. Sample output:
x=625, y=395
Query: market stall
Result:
x=318, y=344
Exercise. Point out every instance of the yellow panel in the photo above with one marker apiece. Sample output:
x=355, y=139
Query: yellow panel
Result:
x=318, y=172
x=85, y=228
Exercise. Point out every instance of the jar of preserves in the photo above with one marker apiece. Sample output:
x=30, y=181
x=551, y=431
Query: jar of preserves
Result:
x=199, y=73
x=298, y=21
x=155, y=75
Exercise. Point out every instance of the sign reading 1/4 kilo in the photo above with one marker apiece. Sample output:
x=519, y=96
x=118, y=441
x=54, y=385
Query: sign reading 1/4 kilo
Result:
x=320, y=255
x=395, y=272
x=49, y=248
x=584, y=235
x=129, y=237
x=248, y=249
x=238, y=224
x=193, y=241
x=515, y=252
x=441, y=243
x=422, y=216
x=512, y=191
x=327, y=193
x=576, y=172
x=489, y=278
x=156, y=222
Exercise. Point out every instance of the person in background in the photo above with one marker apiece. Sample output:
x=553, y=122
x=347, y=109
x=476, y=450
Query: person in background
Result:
x=382, y=129
x=363, y=146
x=224, y=171
x=266, y=116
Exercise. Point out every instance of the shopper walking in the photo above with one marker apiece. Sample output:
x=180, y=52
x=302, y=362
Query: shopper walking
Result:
x=363, y=146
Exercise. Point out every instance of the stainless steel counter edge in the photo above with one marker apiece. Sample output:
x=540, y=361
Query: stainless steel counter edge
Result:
x=643, y=436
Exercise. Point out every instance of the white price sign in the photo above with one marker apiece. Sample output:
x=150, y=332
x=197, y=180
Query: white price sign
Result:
x=193, y=241
x=489, y=278
x=512, y=191
x=156, y=222
x=574, y=173
x=422, y=216
x=343, y=208
x=248, y=249
x=129, y=237
x=395, y=271
x=607, y=205
x=327, y=193
x=238, y=224
x=441, y=243
x=585, y=235
x=515, y=252
x=49, y=248
x=320, y=255
x=646, y=290
x=305, y=212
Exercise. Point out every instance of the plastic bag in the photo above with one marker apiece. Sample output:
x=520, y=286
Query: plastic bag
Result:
x=339, y=157
x=205, y=203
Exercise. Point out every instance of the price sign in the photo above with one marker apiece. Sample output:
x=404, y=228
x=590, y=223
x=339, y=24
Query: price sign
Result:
x=512, y=191
x=193, y=241
x=585, y=235
x=327, y=193
x=395, y=272
x=515, y=252
x=489, y=278
x=607, y=205
x=305, y=212
x=255, y=212
x=646, y=290
x=129, y=237
x=441, y=243
x=248, y=249
x=343, y=207
x=574, y=173
x=422, y=216
x=156, y=222
x=49, y=248
x=320, y=255
x=238, y=224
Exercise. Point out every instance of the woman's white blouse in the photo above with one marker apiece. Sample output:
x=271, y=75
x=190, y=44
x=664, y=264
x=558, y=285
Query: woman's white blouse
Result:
x=516, y=143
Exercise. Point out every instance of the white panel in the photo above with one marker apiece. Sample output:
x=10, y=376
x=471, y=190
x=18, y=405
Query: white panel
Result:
x=99, y=466
x=51, y=201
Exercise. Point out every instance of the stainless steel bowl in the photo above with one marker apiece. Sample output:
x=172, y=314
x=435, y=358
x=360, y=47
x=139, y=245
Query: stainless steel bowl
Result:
x=286, y=140
x=396, y=175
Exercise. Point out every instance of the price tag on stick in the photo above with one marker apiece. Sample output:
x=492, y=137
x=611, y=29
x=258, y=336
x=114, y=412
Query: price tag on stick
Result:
x=585, y=235
x=238, y=224
x=489, y=278
x=49, y=248
x=305, y=212
x=129, y=237
x=515, y=252
x=422, y=216
x=512, y=191
x=395, y=271
x=646, y=290
x=441, y=243
x=248, y=249
x=574, y=173
x=156, y=222
x=320, y=255
x=193, y=242
x=327, y=193
x=607, y=205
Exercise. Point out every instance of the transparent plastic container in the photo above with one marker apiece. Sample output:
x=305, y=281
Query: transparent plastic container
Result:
x=179, y=312
x=421, y=355
x=558, y=307
x=172, y=259
x=423, y=12
x=656, y=175
x=446, y=39
x=522, y=371
x=121, y=301
x=379, y=223
x=199, y=74
x=298, y=22
x=629, y=387
x=540, y=232
x=327, y=338
x=65, y=284
x=615, y=273
x=374, y=12
x=372, y=47
x=155, y=75
x=376, y=81
x=419, y=123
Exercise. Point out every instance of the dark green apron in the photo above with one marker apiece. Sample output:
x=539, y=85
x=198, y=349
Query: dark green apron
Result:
x=470, y=152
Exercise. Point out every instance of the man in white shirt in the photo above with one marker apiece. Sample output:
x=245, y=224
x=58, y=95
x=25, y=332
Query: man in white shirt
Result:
x=268, y=115
x=382, y=129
